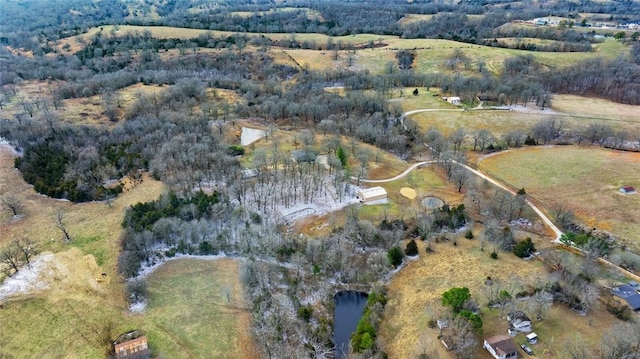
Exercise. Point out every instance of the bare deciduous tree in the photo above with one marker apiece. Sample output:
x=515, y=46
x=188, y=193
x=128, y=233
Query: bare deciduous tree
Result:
x=59, y=221
x=12, y=204
x=27, y=246
x=11, y=258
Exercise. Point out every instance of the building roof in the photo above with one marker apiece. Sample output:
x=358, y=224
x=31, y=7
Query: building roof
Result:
x=131, y=345
x=518, y=315
x=629, y=294
x=372, y=192
x=134, y=334
x=502, y=344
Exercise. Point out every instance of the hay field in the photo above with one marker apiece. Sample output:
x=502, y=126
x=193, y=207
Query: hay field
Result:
x=196, y=310
x=586, y=179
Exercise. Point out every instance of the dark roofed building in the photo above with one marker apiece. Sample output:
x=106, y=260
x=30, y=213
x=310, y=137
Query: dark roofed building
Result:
x=630, y=294
x=501, y=347
x=132, y=345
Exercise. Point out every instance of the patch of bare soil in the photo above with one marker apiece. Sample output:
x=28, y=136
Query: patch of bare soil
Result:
x=55, y=276
x=408, y=192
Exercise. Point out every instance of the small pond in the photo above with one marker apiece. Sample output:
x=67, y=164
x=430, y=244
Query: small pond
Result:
x=432, y=202
x=349, y=308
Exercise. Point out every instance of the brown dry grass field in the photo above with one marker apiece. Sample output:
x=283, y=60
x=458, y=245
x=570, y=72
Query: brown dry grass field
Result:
x=415, y=293
x=586, y=179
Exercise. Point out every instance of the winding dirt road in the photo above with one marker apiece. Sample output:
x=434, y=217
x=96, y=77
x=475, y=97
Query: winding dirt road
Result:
x=493, y=181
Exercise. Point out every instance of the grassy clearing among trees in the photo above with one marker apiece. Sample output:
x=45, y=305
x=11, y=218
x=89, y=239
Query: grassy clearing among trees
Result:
x=196, y=309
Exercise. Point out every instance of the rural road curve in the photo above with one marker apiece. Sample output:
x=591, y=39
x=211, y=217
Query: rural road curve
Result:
x=496, y=183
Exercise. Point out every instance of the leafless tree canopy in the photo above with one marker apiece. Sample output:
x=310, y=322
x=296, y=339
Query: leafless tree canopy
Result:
x=12, y=204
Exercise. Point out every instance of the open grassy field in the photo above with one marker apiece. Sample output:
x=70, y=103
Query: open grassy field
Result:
x=586, y=179
x=80, y=308
x=196, y=310
x=500, y=122
x=425, y=181
x=415, y=294
x=595, y=108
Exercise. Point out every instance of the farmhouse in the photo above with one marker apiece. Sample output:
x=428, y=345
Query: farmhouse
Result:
x=373, y=194
x=501, y=347
x=627, y=189
x=628, y=294
x=132, y=345
x=518, y=321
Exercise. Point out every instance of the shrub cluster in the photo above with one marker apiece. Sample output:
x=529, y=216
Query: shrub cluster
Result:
x=366, y=331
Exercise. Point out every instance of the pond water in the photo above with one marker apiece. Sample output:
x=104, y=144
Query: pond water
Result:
x=432, y=202
x=349, y=308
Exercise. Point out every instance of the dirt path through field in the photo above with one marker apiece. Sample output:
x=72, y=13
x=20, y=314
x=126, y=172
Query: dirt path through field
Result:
x=535, y=208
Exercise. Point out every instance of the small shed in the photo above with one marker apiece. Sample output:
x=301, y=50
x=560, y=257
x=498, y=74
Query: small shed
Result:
x=373, y=194
x=532, y=338
x=454, y=100
x=627, y=189
x=132, y=345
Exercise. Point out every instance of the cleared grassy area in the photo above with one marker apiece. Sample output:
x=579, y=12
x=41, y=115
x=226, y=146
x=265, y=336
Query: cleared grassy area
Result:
x=579, y=106
x=425, y=181
x=500, y=122
x=196, y=310
x=585, y=179
x=560, y=330
x=425, y=99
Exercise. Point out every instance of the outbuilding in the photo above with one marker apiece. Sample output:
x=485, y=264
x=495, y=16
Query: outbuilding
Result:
x=454, y=100
x=132, y=345
x=532, y=338
x=373, y=194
